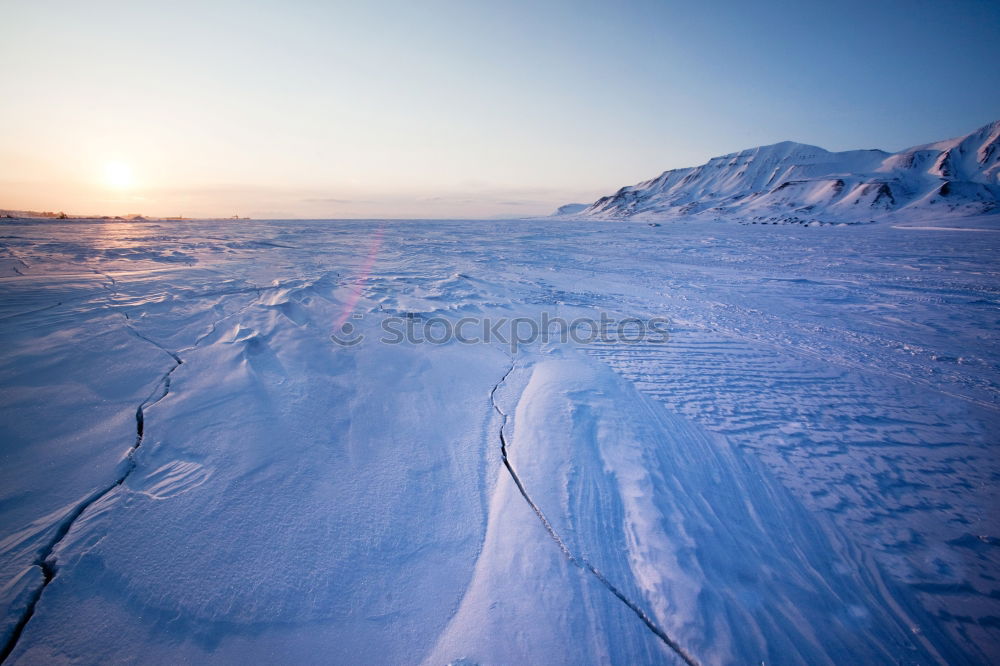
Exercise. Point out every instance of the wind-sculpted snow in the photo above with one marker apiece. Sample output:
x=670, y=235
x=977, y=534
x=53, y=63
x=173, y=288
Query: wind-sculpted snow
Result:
x=804, y=472
x=793, y=183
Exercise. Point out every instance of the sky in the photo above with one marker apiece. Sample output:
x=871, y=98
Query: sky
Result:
x=309, y=109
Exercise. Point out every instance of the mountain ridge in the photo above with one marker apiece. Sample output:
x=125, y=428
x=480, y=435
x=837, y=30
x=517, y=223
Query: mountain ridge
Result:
x=791, y=182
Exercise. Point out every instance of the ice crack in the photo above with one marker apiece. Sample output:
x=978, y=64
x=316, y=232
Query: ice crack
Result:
x=45, y=561
x=578, y=560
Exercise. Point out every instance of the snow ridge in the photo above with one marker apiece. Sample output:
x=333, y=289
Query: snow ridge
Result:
x=794, y=182
x=579, y=561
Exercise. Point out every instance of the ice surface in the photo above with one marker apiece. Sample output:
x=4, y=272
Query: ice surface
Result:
x=804, y=473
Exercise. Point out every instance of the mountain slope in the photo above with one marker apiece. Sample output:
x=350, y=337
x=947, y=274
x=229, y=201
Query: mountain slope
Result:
x=794, y=182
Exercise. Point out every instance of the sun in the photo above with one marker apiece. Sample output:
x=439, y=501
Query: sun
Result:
x=118, y=175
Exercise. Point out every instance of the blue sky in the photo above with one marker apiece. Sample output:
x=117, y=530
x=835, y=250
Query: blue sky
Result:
x=456, y=109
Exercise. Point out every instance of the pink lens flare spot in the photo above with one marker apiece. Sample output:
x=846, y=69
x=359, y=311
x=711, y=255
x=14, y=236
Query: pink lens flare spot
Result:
x=359, y=280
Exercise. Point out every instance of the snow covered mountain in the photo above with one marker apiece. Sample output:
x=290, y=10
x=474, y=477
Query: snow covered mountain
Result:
x=794, y=182
x=570, y=209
